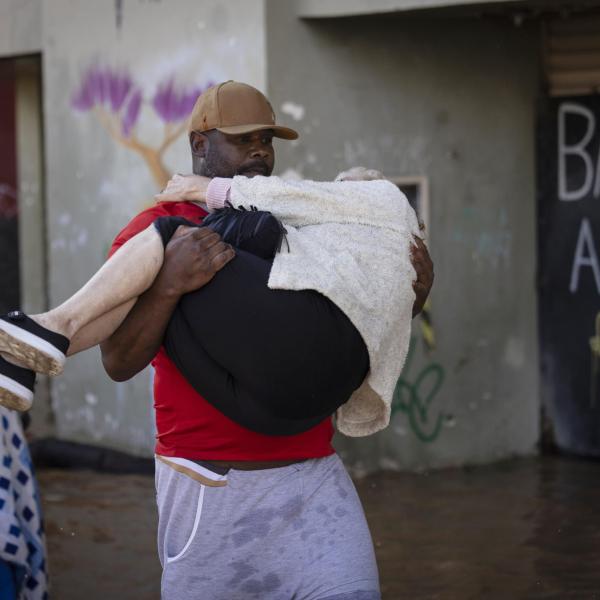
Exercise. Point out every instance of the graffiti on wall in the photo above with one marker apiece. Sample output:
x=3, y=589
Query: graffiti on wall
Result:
x=116, y=100
x=416, y=394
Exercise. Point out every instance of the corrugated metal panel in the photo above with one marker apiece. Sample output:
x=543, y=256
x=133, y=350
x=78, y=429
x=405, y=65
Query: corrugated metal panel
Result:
x=572, y=55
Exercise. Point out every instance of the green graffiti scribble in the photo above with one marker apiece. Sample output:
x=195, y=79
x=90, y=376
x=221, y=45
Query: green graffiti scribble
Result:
x=415, y=399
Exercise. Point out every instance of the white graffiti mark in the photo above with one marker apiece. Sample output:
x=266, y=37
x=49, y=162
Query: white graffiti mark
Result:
x=585, y=256
x=296, y=111
x=579, y=150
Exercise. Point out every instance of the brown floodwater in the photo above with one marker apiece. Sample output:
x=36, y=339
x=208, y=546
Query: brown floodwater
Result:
x=522, y=529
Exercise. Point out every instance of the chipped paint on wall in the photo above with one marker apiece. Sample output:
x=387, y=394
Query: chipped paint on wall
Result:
x=514, y=353
x=294, y=110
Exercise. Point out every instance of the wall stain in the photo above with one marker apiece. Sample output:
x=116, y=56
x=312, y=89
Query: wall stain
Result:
x=119, y=14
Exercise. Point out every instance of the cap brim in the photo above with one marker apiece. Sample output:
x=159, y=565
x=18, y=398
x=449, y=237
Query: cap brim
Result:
x=281, y=132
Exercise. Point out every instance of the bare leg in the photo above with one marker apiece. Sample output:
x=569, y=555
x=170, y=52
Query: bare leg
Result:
x=126, y=275
x=100, y=329
x=40, y=342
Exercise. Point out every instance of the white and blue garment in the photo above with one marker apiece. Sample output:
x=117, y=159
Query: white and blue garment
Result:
x=22, y=540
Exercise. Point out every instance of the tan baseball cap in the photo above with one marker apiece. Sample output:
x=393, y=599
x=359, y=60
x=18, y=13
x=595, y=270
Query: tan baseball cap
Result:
x=234, y=108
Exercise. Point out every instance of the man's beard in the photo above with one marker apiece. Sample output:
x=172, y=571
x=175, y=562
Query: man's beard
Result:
x=214, y=166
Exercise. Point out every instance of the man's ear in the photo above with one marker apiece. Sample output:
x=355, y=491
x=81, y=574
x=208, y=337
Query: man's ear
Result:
x=199, y=144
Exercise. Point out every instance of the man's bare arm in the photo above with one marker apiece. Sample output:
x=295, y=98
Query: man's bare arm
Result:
x=192, y=258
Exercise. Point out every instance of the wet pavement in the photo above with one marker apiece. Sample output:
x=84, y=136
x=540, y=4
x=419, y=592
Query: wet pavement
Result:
x=524, y=529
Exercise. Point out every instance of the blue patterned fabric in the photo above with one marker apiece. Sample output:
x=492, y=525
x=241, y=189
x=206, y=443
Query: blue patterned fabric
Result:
x=22, y=540
x=7, y=582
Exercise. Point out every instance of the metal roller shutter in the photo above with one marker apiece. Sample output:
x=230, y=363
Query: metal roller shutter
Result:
x=572, y=55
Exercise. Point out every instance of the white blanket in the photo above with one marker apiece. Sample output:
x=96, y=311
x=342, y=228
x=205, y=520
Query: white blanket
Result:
x=349, y=241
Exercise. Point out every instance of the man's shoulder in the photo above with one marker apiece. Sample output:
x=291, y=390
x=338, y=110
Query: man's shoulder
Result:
x=163, y=209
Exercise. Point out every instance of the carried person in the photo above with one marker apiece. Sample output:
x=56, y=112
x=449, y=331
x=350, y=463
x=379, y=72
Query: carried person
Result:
x=277, y=362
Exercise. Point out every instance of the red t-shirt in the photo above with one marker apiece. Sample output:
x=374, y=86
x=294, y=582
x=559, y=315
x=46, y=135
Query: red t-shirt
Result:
x=187, y=425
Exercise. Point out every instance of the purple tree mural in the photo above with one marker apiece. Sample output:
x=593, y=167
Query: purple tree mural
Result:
x=116, y=100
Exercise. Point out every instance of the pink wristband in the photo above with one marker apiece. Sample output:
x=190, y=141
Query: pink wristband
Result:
x=217, y=193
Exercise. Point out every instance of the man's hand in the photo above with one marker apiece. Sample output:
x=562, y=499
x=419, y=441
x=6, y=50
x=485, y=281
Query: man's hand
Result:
x=421, y=261
x=184, y=187
x=192, y=258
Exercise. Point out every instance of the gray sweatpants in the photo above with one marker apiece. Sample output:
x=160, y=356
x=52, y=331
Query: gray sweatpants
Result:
x=291, y=533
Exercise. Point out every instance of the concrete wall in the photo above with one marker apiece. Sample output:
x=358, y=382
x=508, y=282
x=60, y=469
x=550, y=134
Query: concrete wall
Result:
x=452, y=100
x=20, y=27
x=101, y=172
x=32, y=216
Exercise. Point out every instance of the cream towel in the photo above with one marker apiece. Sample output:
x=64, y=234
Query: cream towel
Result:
x=350, y=241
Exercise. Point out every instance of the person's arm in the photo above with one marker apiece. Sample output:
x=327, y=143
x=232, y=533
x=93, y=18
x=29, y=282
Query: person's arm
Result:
x=216, y=192
x=299, y=203
x=192, y=258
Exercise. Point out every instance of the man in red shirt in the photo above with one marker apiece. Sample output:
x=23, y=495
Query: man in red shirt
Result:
x=241, y=514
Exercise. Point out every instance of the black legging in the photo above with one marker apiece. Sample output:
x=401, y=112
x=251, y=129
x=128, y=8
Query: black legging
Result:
x=275, y=361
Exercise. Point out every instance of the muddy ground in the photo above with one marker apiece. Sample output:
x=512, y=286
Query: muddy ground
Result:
x=525, y=529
